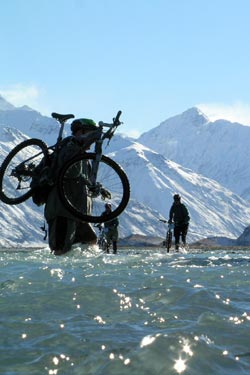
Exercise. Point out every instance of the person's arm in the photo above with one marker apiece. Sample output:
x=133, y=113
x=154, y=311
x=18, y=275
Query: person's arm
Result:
x=171, y=213
x=114, y=223
x=86, y=140
x=186, y=214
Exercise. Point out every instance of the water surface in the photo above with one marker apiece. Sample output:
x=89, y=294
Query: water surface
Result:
x=139, y=312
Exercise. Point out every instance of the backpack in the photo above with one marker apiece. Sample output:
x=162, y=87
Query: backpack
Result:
x=44, y=174
x=42, y=181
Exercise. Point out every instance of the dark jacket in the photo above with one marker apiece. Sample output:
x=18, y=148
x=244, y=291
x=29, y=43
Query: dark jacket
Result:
x=111, y=228
x=64, y=228
x=75, y=186
x=112, y=223
x=179, y=214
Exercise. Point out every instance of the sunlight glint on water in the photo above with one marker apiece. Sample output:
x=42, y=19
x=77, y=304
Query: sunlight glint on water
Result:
x=140, y=312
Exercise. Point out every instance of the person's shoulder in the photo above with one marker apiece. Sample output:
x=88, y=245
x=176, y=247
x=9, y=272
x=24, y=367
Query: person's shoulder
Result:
x=185, y=208
x=66, y=140
x=65, y=143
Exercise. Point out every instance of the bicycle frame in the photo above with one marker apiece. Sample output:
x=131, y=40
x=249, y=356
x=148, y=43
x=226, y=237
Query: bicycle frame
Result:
x=102, y=238
x=98, y=138
x=61, y=119
x=99, y=142
x=169, y=235
x=19, y=170
x=29, y=170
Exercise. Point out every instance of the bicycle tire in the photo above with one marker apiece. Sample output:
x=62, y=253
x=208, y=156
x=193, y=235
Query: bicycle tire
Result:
x=110, y=175
x=168, y=240
x=15, y=188
x=104, y=246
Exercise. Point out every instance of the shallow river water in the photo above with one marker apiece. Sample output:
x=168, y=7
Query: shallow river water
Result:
x=139, y=312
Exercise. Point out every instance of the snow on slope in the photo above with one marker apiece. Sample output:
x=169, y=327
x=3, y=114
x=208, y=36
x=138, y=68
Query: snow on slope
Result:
x=20, y=224
x=219, y=150
x=29, y=122
x=214, y=209
x=154, y=180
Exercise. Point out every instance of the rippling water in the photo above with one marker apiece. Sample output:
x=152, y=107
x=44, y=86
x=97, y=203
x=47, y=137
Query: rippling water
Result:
x=138, y=312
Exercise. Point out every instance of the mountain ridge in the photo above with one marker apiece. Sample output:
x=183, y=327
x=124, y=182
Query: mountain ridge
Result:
x=218, y=150
x=154, y=179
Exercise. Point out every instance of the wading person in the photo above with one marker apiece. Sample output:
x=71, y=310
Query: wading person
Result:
x=179, y=215
x=111, y=229
x=63, y=228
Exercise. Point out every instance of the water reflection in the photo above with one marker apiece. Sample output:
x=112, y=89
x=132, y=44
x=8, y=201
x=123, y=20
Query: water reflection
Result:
x=180, y=365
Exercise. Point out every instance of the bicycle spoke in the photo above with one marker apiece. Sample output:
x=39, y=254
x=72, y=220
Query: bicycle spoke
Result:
x=17, y=169
x=111, y=186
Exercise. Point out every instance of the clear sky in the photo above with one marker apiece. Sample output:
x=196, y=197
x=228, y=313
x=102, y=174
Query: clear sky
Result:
x=152, y=59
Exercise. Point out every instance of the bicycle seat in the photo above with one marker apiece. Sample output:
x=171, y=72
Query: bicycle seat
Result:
x=61, y=118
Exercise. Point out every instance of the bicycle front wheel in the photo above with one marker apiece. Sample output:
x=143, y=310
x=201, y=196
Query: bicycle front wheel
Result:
x=17, y=170
x=168, y=240
x=104, y=246
x=112, y=186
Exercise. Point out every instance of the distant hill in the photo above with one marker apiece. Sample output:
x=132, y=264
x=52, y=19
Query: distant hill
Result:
x=137, y=240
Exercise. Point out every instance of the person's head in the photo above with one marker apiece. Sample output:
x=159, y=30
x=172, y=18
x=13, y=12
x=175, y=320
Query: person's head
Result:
x=82, y=126
x=108, y=207
x=177, y=198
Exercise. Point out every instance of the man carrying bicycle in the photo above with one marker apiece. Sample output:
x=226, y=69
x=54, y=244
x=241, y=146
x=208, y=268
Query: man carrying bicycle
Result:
x=67, y=179
x=64, y=228
x=180, y=216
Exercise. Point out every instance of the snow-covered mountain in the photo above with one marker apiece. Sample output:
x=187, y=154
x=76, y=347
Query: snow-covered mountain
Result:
x=21, y=224
x=219, y=150
x=154, y=178
x=28, y=121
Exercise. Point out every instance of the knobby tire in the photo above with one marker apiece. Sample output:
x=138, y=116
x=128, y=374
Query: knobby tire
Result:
x=108, y=170
x=10, y=194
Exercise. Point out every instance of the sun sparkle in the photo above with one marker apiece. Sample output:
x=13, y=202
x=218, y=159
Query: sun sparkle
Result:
x=180, y=365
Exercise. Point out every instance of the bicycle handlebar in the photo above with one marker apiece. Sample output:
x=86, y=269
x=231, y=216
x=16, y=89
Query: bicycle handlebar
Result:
x=92, y=138
x=116, y=121
x=104, y=124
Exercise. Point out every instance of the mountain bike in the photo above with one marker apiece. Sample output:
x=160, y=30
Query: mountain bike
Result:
x=106, y=180
x=102, y=239
x=169, y=235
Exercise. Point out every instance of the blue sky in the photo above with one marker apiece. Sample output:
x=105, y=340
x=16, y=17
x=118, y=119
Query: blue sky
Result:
x=152, y=59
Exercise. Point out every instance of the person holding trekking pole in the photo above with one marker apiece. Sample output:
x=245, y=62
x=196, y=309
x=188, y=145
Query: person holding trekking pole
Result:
x=111, y=228
x=179, y=215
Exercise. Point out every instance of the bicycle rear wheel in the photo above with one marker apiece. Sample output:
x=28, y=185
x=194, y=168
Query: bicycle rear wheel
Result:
x=17, y=169
x=112, y=187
